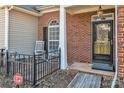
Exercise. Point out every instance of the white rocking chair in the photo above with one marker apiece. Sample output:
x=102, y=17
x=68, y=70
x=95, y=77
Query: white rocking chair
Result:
x=39, y=47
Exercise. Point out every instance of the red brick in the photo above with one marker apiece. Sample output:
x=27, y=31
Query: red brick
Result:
x=121, y=42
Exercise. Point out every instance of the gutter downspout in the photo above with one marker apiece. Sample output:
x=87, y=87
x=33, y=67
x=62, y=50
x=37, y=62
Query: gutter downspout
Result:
x=7, y=9
x=116, y=50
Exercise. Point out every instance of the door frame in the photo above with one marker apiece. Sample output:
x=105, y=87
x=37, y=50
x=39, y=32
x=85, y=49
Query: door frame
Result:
x=111, y=18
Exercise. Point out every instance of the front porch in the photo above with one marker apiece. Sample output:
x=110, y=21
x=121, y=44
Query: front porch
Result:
x=87, y=68
x=78, y=27
x=90, y=38
x=76, y=38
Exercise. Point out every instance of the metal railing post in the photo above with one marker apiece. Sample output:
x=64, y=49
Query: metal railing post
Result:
x=2, y=57
x=59, y=58
x=34, y=75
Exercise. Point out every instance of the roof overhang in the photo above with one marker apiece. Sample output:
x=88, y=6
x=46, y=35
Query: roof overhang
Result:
x=26, y=11
x=43, y=9
x=71, y=9
x=20, y=9
x=50, y=8
x=3, y=6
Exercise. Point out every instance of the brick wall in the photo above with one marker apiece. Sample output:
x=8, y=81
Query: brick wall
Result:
x=121, y=41
x=79, y=37
x=79, y=43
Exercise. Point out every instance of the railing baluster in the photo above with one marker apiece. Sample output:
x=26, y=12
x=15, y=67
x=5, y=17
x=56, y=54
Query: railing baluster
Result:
x=46, y=61
x=37, y=67
x=41, y=69
x=34, y=76
x=30, y=67
x=25, y=69
x=6, y=63
x=51, y=63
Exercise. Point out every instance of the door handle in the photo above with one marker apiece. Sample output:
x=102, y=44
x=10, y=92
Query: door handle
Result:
x=111, y=42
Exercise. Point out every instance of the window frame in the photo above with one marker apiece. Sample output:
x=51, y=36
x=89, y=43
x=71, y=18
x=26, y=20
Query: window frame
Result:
x=49, y=40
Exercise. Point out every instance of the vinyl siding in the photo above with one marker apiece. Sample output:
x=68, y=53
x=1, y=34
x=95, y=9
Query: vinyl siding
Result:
x=2, y=28
x=23, y=32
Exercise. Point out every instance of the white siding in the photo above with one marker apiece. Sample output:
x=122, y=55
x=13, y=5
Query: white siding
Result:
x=2, y=28
x=23, y=32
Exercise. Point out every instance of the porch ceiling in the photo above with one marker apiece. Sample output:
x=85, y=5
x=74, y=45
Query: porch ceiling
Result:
x=76, y=9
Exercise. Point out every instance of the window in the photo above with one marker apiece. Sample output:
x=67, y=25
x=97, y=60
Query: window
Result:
x=53, y=36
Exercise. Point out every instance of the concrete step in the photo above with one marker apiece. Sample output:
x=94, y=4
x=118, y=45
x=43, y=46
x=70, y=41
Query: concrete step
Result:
x=84, y=80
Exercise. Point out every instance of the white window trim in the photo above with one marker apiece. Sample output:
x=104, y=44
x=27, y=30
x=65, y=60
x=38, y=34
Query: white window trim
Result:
x=49, y=35
x=53, y=26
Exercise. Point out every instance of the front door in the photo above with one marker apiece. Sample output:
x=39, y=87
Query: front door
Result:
x=103, y=45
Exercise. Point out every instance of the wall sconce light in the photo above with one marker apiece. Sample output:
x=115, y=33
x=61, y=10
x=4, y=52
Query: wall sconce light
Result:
x=123, y=24
x=100, y=12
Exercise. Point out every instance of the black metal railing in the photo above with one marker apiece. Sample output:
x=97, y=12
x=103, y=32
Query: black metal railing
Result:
x=32, y=67
x=46, y=64
x=20, y=63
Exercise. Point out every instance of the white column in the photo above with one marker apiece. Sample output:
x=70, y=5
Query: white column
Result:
x=63, y=39
x=6, y=27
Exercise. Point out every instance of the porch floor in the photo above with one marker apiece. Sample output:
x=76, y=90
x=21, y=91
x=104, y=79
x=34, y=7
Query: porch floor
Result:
x=85, y=67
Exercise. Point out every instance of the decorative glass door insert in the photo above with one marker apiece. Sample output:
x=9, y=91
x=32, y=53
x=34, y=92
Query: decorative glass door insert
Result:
x=102, y=43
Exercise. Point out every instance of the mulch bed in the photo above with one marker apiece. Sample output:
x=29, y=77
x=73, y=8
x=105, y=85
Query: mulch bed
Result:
x=7, y=82
x=107, y=81
x=59, y=79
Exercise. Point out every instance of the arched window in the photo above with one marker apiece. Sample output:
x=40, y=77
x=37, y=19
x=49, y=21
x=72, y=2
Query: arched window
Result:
x=53, y=35
x=53, y=23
